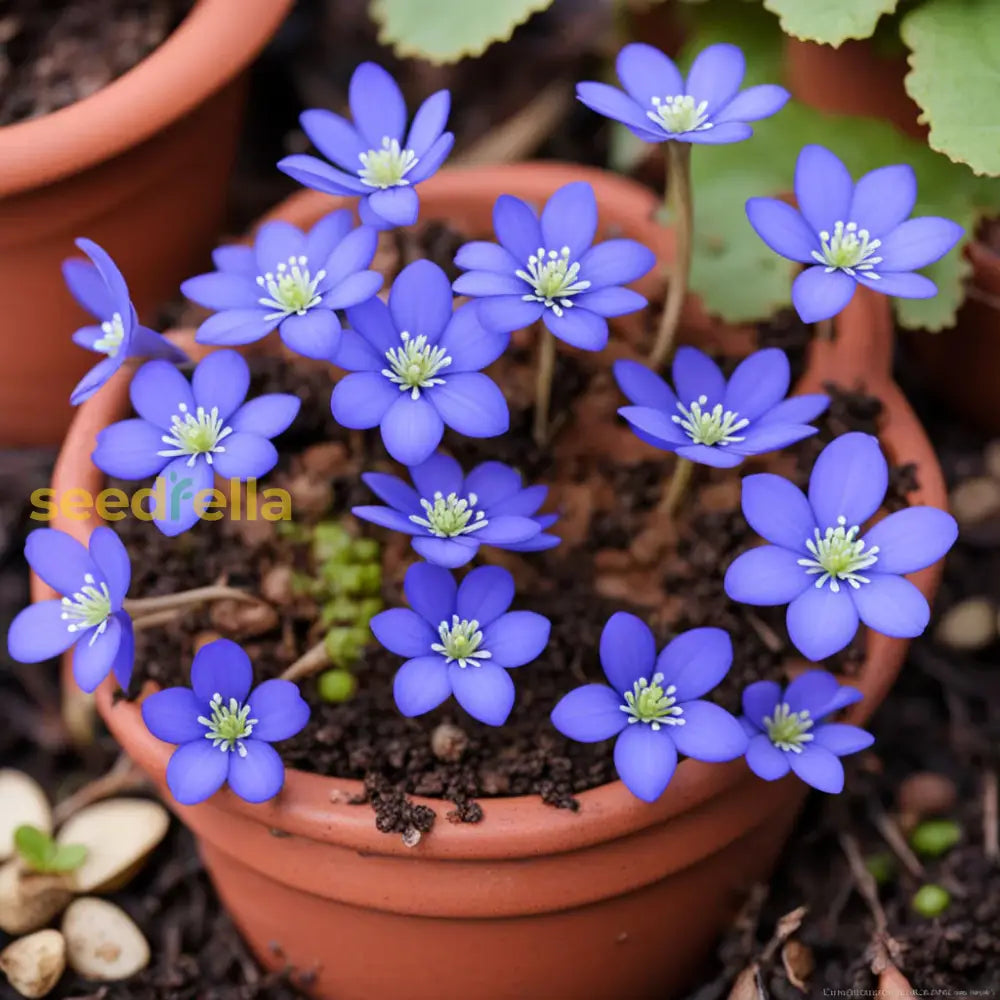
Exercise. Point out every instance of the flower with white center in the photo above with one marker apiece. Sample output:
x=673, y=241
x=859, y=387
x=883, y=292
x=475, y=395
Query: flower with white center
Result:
x=653, y=703
x=291, y=280
x=790, y=730
x=847, y=232
x=218, y=737
x=92, y=582
x=726, y=421
x=187, y=432
x=553, y=276
x=393, y=160
x=459, y=640
x=821, y=561
x=707, y=107
x=415, y=364
x=449, y=515
x=100, y=288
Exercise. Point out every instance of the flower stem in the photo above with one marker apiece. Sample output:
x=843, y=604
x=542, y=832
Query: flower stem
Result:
x=310, y=662
x=681, y=205
x=824, y=329
x=543, y=384
x=169, y=602
x=676, y=488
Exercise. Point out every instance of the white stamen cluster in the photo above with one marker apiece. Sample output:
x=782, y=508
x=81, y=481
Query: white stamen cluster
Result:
x=709, y=427
x=290, y=288
x=450, y=516
x=788, y=730
x=195, y=434
x=460, y=642
x=387, y=166
x=680, y=113
x=414, y=365
x=228, y=725
x=850, y=250
x=553, y=276
x=839, y=555
x=90, y=606
x=650, y=702
x=114, y=334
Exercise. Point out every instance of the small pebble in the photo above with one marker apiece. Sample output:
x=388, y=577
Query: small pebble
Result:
x=969, y=625
x=449, y=742
x=925, y=793
x=991, y=458
x=975, y=500
x=931, y=900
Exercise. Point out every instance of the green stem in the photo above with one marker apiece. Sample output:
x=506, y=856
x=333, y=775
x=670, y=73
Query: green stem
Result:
x=676, y=488
x=543, y=383
x=681, y=205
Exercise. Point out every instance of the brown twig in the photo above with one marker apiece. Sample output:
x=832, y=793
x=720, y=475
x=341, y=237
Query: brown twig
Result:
x=991, y=809
x=893, y=836
x=310, y=662
x=185, y=598
x=124, y=776
x=156, y=619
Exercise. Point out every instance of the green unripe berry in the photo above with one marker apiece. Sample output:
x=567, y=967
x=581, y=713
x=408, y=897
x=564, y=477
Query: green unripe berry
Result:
x=931, y=900
x=935, y=837
x=881, y=866
x=344, y=644
x=337, y=685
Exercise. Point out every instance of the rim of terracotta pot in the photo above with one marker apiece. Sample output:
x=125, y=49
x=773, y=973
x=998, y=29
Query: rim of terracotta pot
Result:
x=216, y=40
x=313, y=805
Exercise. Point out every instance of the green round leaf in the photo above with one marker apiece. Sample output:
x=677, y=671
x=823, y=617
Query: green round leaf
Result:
x=68, y=858
x=35, y=847
x=829, y=21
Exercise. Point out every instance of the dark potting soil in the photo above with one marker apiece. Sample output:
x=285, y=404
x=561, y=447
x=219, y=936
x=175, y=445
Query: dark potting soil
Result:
x=56, y=52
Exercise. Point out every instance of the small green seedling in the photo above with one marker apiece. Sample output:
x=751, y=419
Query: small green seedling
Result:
x=882, y=867
x=935, y=837
x=43, y=855
x=931, y=900
x=337, y=685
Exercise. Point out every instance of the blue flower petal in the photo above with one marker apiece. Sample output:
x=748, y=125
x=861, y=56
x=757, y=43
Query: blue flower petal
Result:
x=718, y=457
x=645, y=72
x=235, y=326
x=818, y=295
x=612, y=103
x=432, y=159
x=171, y=715
x=472, y=404
x=374, y=322
x=782, y=228
x=221, y=290
x=275, y=242
x=506, y=313
x=757, y=439
x=245, y=456
x=569, y=219
x=616, y=262
x=421, y=301
x=517, y=227
x=778, y=511
x=451, y=553
x=758, y=383
x=398, y=205
x=122, y=664
x=842, y=739
x=485, y=594
x=481, y=283
x=507, y=529
x=280, y=710
x=709, y=733
x=421, y=684
x=645, y=760
x=129, y=449
x=818, y=767
x=267, y=416
x=659, y=428
x=38, y=633
x=94, y=654
x=589, y=714
x=917, y=243
x=485, y=691
x=470, y=345
x=695, y=375
x=440, y=473
x=110, y=275
x=883, y=198
x=695, y=661
x=313, y=334
x=911, y=539
x=355, y=354
x=221, y=667
x=60, y=560
x=821, y=622
x=327, y=236
x=158, y=390
x=644, y=387
x=236, y=258
x=891, y=605
x=715, y=76
x=524, y=503
x=377, y=104
x=628, y=652
x=905, y=285
x=610, y=302
x=765, y=759
x=493, y=482
x=516, y=638
x=811, y=692
x=393, y=491
x=796, y=410
x=257, y=774
x=312, y=172
x=823, y=188
x=221, y=381
x=754, y=103
x=386, y=517
x=111, y=557
x=429, y=122
x=183, y=484
x=411, y=429
x=578, y=327
x=480, y=255
x=719, y=134
x=196, y=771
x=87, y=286
x=362, y=400
x=403, y=632
x=759, y=699
x=849, y=480
x=335, y=137
x=432, y=592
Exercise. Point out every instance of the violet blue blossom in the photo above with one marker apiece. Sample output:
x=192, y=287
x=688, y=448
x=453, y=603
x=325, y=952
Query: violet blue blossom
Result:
x=450, y=515
x=710, y=420
x=372, y=157
x=189, y=432
x=93, y=581
x=653, y=704
x=852, y=234
x=790, y=731
x=223, y=731
x=416, y=367
x=821, y=564
x=548, y=268
x=290, y=280
x=100, y=288
x=461, y=640
x=659, y=106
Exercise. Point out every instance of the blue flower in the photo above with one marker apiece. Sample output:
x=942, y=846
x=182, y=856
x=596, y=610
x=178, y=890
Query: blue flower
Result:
x=417, y=368
x=89, y=615
x=653, y=704
x=223, y=731
x=372, y=157
x=714, y=422
x=790, y=731
x=658, y=105
x=99, y=287
x=548, y=268
x=187, y=433
x=451, y=515
x=852, y=234
x=461, y=640
x=290, y=280
x=819, y=563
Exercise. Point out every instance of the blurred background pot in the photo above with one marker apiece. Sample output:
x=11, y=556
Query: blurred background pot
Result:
x=141, y=167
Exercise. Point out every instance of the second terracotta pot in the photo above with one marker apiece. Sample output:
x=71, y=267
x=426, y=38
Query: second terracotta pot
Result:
x=621, y=900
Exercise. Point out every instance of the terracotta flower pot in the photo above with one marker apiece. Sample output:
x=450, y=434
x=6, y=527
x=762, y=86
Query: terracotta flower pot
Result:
x=141, y=167
x=621, y=899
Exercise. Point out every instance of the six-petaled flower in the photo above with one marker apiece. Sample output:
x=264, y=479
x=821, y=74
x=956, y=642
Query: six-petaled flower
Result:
x=823, y=564
x=549, y=268
x=659, y=106
x=791, y=731
x=461, y=640
x=852, y=234
x=99, y=287
x=289, y=280
x=375, y=157
x=223, y=731
x=653, y=704
x=92, y=581
x=450, y=515
x=189, y=432
x=706, y=419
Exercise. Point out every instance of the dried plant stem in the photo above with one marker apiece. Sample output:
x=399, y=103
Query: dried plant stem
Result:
x=146, y=605
x=991, y=814
x=883, y=949
x=124, y=776
x=676, y=488
x=543, y=384
x=824, y=329
x=156, y=619
x=311, y=661
x=681, y=205
x=893, y=836
x=79, y=715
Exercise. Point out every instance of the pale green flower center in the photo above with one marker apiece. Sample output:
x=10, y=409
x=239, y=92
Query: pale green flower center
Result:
x=788, y=730
x=195, y=434
x=387, y=166
x=849, y=249
x=714, y=426
x=838, y=555
x=228, y=725
x=553, y=276
x=450, y=516
x=90, y=606
x=114, y=334
x=460, y=641
x=680, y=113
x=414, y=365
x=650, y=702
x=290, y=288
